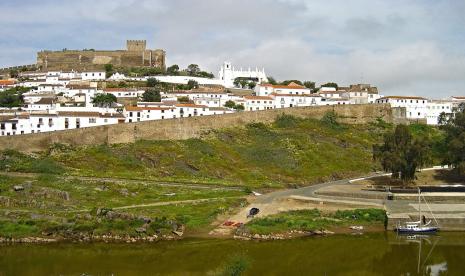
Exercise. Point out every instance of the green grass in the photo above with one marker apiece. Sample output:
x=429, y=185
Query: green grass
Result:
x=310, y=220
x=291, y=151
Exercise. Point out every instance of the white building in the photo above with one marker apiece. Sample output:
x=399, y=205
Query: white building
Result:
x=26, y=123
x=93, y=76
x=254, y=103
x=416, y=107
x=290, y=89
x=228, y=74
x=292, y=100
x=435, y=108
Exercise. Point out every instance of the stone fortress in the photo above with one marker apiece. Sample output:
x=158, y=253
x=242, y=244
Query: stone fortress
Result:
x=136, y=55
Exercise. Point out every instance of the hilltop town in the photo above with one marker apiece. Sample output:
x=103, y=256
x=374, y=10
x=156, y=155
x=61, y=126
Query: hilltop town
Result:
x=79, y=89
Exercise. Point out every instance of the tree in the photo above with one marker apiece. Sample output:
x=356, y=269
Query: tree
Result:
x=252, y=85
x=191, y=84
x=230, y=104
x=239, y=107
x=109, y=70
x=14, y=74
x=104, y=100
x=152, y=82
x=151, y=95
x=455, y=139
x=173, y=70
x=309, y=84
x=193, y=69
x=330, y=84
x=286, y=82
x=401, y=154
x=204, y=74
x=12, y=97
x=271, y=80
x=183, y=99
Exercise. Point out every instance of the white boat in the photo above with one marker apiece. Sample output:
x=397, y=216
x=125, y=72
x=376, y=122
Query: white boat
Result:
x=421, y=226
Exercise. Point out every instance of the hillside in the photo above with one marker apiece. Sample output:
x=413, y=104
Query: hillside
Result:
x=291, y=151
x=149, y=188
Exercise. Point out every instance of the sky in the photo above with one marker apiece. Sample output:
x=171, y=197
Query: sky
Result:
x=405, y=47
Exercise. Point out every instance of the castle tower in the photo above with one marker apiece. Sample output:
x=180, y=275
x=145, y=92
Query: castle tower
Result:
x=136, y=45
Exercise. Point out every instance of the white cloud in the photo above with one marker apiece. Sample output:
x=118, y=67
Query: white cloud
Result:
x=404, y=47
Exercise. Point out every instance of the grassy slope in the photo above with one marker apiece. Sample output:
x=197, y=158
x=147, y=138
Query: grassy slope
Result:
x=286, y=153
x=310, y=220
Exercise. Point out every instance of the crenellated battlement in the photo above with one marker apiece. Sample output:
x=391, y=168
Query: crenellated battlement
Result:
x=136, y=45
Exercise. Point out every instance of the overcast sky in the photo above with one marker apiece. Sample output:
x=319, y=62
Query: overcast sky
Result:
x=403, y=47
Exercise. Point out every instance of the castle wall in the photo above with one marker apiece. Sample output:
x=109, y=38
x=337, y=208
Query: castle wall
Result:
x=184, y=128
x=96, y=60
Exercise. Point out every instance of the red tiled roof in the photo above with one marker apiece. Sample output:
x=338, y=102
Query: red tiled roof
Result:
x=258, y=98
x=139, y=108
x=7, y=82
x=404, y=97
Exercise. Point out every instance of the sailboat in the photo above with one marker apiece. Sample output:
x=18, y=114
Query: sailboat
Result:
x=421, y=226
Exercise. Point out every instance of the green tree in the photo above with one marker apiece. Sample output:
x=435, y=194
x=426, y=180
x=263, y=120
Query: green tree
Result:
x=271, y=80
x=309, y=84
x=286, y=82
x=14, y=74
x=152, y=82
x=239, y=107
x=230, y=104
x=252, y=85
x=204, y=74
x=402, y=154
x=151, y=95
x=455, y=140
x=173, y=70
x=183, y=99
x=104, y=100
x=330, y=84
x=193, y=69
x=12, y=97
x=109, y=70
x=192, y=84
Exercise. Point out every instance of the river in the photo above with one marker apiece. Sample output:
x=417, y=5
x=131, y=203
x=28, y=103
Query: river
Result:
x=368, y=254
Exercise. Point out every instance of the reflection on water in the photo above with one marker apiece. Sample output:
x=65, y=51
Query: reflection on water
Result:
x=370, y=254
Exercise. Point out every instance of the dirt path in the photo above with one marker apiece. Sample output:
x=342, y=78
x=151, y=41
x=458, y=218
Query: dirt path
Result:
x=296, y=199
x=133, y=181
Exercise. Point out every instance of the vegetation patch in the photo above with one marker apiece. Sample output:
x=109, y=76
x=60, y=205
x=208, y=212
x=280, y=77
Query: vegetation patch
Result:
x=311, y=220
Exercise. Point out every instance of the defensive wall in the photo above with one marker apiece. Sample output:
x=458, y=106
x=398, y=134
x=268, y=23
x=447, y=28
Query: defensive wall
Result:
x=184, y=128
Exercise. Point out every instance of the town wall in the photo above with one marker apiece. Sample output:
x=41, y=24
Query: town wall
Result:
x=184, y=128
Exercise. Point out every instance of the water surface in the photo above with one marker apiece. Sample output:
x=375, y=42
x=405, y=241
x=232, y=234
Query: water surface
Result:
x=369, y=254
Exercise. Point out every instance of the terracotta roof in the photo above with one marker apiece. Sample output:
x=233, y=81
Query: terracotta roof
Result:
x=120, y=90
x=74, y=86
x=294, y=95
x=45, y=101
x=139, y=108
x=459, y=97
x=404, y=97
x=258, y=98
x=190, y=105
x=291, y=85
x=7, y=82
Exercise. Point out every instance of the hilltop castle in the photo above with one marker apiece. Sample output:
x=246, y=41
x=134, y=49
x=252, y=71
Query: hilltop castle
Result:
x=136, y=55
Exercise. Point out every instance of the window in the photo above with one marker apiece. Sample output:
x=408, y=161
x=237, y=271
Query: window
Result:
x=2, y=126
x=78, y=123
x=66, y=123
x=13, y=126
x=92, y=120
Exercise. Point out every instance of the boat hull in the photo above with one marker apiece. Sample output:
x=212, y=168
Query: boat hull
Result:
x=415, y=231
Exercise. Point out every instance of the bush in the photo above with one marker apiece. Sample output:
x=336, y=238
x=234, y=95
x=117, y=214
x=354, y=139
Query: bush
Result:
x=286, y=121
x=330, y=119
